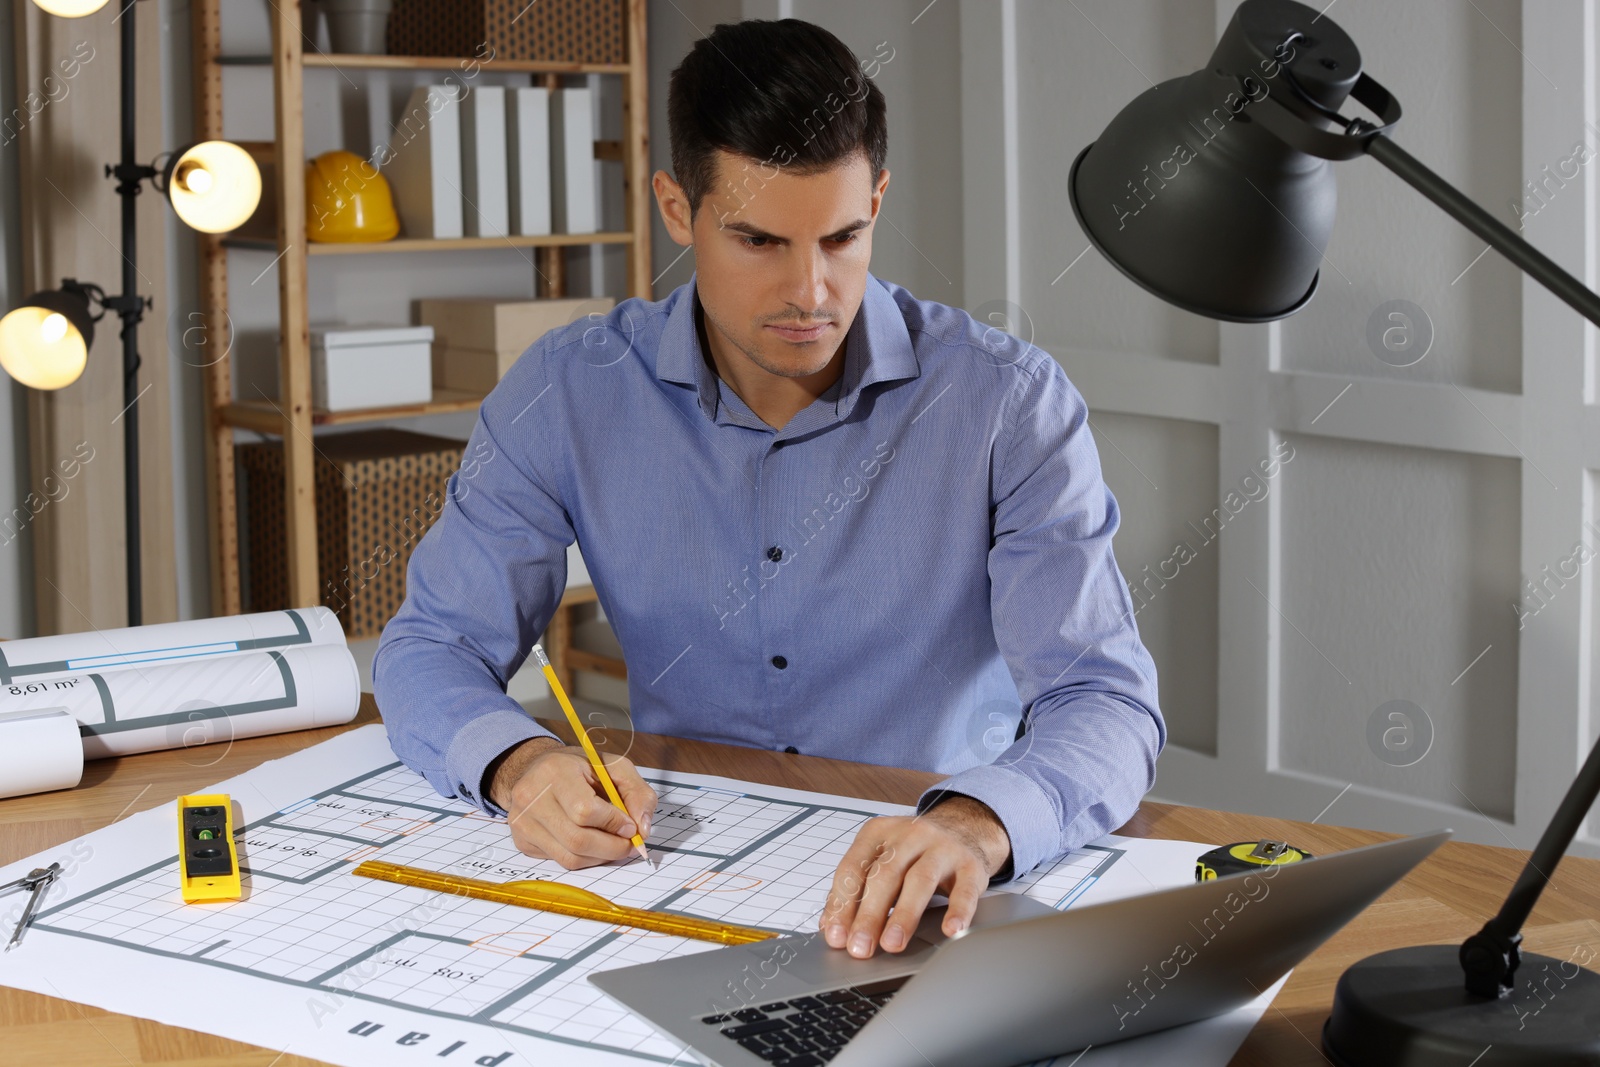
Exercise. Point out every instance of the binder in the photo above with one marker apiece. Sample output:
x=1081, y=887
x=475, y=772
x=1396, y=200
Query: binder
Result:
x=425, y=171
x=573, y=175
x=528, y=157
x=483, y=161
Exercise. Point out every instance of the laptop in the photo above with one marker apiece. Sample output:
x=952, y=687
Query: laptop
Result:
x=1022, y=983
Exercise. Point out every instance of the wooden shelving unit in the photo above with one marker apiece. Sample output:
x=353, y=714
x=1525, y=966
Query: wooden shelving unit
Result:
x=441, y=244
x=292, y=417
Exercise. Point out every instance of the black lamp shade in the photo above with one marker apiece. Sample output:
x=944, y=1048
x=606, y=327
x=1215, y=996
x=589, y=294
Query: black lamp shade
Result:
x=1201, y=205
x=44, y=342
x=73, y=305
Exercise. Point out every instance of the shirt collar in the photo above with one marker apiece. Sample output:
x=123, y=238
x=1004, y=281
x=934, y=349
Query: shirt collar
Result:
x=877, y=349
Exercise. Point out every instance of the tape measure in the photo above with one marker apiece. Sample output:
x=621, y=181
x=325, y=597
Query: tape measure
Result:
x=208, y=864
x=1244, y=857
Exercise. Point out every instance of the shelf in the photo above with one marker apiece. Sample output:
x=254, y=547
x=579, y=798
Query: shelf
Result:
x=438, y=244
x=445, y=244
x=282, y=80
x=265, y=416
x=456, y=63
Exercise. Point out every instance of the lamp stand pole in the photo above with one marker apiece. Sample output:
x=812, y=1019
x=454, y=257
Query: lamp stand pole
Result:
x=130, y=307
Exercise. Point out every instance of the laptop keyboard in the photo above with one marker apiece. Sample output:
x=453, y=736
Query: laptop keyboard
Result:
x=806, y=1031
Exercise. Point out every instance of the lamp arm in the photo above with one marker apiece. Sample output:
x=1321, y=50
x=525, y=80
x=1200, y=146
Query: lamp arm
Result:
x=1287, y=119
x=1501, y=237
x=1490, y=956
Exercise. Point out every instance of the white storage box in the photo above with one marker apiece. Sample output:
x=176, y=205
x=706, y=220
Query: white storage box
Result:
x=354, y=367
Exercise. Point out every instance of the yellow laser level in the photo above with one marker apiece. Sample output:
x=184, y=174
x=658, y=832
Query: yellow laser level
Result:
x=208, y=863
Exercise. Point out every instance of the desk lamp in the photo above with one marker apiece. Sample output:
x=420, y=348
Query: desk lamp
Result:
x=1235, y=230
x=213, y=186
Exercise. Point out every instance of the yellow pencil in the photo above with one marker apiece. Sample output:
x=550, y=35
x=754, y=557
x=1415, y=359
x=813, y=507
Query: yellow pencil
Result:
x=588, y=746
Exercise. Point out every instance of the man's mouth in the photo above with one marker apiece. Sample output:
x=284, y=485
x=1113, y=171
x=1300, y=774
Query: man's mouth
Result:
x=800, y=332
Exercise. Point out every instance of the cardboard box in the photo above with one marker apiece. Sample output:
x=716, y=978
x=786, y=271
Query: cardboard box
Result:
x=476, y=340
x=377, y=492
x=567, y=31
x=471, y=369
x=356, y=367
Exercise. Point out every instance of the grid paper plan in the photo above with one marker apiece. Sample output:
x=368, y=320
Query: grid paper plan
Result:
x=319, y=962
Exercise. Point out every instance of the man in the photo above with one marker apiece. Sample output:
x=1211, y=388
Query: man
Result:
x=822, y=516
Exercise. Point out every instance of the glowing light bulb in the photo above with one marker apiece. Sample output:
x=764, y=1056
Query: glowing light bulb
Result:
x=198, y=180
x=53, y=328
x=40, y=348
x=215, y=186
x=71, y=9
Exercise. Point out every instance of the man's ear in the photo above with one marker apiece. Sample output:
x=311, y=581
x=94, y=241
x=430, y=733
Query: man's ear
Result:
x=878, y=190
x=674, y=206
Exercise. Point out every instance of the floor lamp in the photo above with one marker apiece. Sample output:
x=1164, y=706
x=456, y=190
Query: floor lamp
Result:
x=214, y=186
x=1236, y=231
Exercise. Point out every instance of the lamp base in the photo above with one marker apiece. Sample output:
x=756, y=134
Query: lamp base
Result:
x=1410, y=1007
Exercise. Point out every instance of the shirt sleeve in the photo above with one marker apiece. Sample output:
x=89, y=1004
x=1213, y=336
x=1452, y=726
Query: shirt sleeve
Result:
x=1064, y=622
x=481, y=587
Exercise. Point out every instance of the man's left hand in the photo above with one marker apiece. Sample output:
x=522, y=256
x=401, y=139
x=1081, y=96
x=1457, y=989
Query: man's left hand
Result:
x=901, y=861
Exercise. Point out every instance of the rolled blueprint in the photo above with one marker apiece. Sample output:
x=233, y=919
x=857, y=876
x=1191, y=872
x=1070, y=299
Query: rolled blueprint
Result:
x=39, y=750
x=154, y=705
x=164, y=643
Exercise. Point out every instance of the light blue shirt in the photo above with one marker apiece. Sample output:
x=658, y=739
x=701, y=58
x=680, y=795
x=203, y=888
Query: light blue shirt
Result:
x=918, y=559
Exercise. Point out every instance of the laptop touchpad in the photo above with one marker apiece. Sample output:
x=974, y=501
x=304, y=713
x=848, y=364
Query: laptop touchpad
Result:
x=821, y=967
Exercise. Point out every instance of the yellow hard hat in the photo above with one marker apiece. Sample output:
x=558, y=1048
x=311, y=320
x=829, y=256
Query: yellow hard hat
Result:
x=348, y=200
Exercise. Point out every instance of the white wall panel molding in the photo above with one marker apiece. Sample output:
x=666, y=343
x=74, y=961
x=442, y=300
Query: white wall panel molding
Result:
x=1420, y=414
x=1382, y=411
x=991, y=171
x=1555, y=655
x=1142, y=384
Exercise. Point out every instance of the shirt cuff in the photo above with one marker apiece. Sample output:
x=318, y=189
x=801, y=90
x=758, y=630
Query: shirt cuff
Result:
x=478, y=744
x=1023, y=808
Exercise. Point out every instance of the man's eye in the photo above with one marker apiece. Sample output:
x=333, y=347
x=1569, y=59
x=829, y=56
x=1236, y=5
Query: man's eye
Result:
x=845, y=239
x=753, y=242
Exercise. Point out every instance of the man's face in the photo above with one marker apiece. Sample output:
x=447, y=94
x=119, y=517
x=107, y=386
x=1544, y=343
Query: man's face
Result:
x=781, y=259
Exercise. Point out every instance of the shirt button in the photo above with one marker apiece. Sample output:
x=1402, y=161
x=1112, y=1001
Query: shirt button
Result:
x=775, y=553
x=792, y=751
x=779, y=662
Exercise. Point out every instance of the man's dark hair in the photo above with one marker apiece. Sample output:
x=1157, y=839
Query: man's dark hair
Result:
x=787, y=94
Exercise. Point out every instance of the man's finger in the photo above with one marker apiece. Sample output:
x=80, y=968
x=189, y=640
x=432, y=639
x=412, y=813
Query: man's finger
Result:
x=533, y=839
x=970, y=883
x=582, y=806
x=636, y=793
x=917, y=887
x=849, y=880
x=592, y=846
x=884, y=878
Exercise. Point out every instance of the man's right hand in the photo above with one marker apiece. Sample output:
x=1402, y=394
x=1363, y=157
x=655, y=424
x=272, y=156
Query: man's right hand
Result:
x=557, y=808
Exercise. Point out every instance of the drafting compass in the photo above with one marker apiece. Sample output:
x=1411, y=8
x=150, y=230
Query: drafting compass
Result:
x=36, y=882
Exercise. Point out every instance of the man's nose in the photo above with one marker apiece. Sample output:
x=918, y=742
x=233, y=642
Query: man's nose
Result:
x=808, y=282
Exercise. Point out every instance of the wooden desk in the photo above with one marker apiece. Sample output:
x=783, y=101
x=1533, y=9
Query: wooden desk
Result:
x=1443, y=900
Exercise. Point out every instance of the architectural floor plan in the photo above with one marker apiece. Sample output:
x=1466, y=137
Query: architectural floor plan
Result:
x=351, y=970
